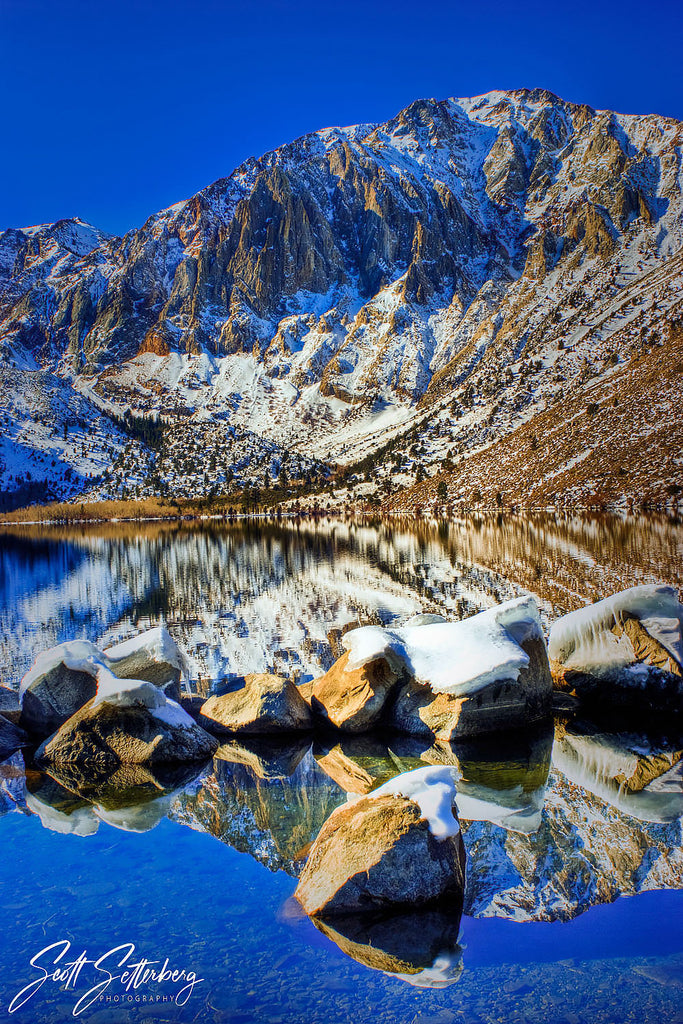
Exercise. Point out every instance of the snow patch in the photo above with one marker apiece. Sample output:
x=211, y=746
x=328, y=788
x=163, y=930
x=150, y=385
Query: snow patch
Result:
x=454, y=657
x=433, y=790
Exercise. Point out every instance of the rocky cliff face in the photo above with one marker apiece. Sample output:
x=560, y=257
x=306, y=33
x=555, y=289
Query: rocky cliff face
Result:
x=359, y=275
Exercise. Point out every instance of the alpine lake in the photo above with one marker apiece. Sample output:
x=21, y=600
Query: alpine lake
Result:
x=573, y=910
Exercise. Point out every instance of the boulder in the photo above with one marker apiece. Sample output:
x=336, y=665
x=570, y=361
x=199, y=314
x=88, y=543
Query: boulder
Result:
x=64, y=678
x=400, y=846
x=624, y=650
x=484, y=674
x=352, y=697
x=264, y=704
x=59, y=682
x=127, y=722
x=420, y=948
x=152, y=656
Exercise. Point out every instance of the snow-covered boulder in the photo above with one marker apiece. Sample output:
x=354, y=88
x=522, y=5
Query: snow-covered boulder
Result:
x=128, y=721
x=420, y=948
x=627, y=648
x=153, y=656
x=264, y=704
x=352, y=696
x=64, y=678
x=399, y=846
x=486, y=673
x=60, y=681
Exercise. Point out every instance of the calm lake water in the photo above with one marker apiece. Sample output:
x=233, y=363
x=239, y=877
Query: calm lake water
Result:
x=573, y=911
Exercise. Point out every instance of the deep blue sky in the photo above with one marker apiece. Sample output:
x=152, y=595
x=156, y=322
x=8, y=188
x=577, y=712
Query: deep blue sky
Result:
x=113, y=109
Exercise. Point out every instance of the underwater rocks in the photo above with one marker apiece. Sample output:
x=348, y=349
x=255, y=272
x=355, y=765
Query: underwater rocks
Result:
x=264, y=704
x=398, y=846
x=624, y=650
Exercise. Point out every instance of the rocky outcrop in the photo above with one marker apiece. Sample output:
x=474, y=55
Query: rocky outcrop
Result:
x=353, y=698
x=264, y=704
x=388, y=850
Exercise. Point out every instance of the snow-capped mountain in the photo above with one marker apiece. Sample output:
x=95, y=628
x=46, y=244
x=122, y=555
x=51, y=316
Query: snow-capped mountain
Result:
x=452, y=273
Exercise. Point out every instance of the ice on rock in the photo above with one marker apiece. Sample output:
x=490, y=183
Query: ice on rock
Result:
x=584, y=641
x=433, y=790
x=454, y=657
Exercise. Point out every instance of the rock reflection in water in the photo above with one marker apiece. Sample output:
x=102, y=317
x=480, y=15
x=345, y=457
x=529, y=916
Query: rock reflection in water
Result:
x=133, y=799
x=265, y=800
x=635, y=774
x=421, y=948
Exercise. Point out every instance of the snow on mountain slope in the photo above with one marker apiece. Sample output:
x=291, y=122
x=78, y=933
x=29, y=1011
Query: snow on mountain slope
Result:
x=451, y=271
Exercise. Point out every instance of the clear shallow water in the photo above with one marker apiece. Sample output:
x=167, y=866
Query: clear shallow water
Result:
x=573, y=908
